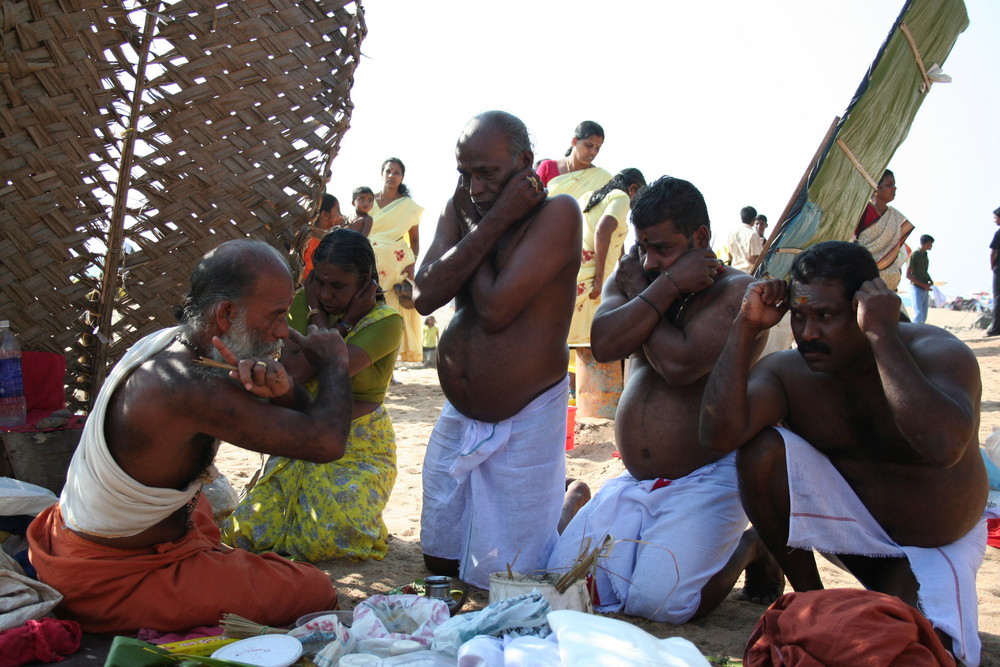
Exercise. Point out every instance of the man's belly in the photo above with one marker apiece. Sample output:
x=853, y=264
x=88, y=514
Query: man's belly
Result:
x=656, y=427
x=492, y=377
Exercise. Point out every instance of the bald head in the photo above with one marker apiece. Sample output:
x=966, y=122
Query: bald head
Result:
x=507, y=124
x=491, y=149
x=228, y=273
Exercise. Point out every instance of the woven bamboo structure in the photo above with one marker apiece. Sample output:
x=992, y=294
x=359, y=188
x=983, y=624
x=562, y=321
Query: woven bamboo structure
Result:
x=134, y=138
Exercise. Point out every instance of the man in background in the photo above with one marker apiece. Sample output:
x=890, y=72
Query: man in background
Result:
x=918, y=276
x=744, y=243
x=760, y=226
x=995, y=268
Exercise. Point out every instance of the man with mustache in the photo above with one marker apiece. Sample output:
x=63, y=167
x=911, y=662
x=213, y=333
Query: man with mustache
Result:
x=678, y=529
x=876, y=462
x=132, y=542
x=494, y=471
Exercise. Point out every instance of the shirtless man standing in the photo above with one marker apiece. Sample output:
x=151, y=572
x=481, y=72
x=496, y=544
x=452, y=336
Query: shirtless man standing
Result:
x=675, y=516
x=132, y=543
x=494, y=470
x=878, y=462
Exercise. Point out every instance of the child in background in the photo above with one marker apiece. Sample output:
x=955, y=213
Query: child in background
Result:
x=329, y=218
x=430, y=342
x=363, y=199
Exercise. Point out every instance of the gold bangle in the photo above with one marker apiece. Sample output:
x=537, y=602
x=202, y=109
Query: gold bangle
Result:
x=313, y=311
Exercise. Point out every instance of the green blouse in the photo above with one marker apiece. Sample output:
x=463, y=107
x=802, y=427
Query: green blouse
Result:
x=379, y=333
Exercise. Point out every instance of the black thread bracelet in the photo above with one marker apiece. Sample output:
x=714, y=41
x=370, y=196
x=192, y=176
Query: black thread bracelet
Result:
x=651, y=304
x=671, y=278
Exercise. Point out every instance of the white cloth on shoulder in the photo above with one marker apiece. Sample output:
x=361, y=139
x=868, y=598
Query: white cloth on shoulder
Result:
x=670, y=537
x=493, y=491
x=828, y=516
x=99, y=497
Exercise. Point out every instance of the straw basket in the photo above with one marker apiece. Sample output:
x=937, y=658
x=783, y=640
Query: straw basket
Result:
x=576, y=596
x=139, y=136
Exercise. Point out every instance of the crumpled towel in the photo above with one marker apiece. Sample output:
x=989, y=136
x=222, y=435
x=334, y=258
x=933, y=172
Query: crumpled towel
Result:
x=47, y=640
x=23, y=599
x=843, y=626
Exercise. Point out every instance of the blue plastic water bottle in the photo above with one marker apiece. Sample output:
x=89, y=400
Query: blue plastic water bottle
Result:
x=13, y=410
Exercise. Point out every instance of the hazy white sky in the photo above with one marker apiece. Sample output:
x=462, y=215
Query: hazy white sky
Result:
x=732, y=95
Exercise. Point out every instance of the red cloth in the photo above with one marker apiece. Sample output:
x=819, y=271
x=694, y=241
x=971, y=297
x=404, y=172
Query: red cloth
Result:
x=45, y=640
x=44, y=376
x=547, y=170
x=307, y=256
x=174, y=585
x=993, y=532
x=44, y=380
x=868, y=218
x=843, y=626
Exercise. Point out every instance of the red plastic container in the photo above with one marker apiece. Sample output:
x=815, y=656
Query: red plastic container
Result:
x=570, y=427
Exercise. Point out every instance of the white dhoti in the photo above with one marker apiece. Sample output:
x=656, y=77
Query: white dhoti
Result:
x=671, y=537
x=493, y=492
x=826, y=515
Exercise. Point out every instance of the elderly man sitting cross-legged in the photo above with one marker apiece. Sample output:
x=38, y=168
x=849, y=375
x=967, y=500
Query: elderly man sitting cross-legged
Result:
x=132, y=543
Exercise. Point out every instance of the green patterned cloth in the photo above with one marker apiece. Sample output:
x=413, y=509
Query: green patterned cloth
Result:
x=320, y=511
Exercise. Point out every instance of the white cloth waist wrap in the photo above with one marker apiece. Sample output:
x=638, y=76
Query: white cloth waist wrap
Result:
x=828, y=516
x=99, y=497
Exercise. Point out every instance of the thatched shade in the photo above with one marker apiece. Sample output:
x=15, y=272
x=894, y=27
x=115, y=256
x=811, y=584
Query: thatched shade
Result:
x=166, y=129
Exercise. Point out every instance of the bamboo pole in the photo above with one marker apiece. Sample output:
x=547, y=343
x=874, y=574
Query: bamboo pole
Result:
x=116, y=228
x=783, y=220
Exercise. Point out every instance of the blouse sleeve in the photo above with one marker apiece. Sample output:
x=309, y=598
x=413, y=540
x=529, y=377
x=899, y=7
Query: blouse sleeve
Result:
x=380, y=338
x=618, y=207
x=547, y=170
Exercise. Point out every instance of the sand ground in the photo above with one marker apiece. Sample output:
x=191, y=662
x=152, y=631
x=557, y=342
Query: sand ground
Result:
x=414, y=406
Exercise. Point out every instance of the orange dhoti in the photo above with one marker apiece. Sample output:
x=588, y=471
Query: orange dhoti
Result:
x=174, y=585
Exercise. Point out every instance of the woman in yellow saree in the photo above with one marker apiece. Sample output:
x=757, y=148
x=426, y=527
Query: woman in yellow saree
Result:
x=575, y=174
x=395, y=238
x=310, y=511
x=605, y=217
